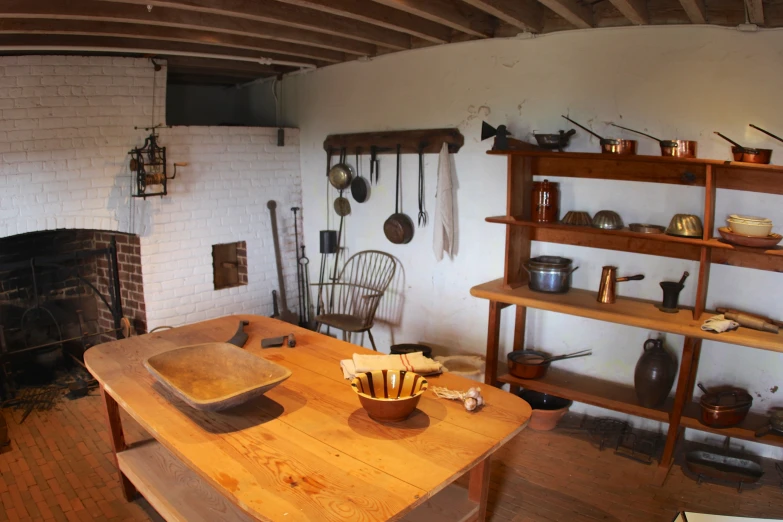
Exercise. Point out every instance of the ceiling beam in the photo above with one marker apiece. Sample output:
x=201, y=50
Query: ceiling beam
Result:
x=89, y=43
x=695, y=10
x=174, y=34
x=451, y=13
x=380, y=15
x=635, y=11
x=755, y=11
x=523, y=14
x=125, y=13
x=220, y=66
x=271, y=11
x=578, y=15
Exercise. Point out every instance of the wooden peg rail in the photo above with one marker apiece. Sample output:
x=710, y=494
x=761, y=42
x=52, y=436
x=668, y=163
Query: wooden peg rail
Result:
x=386, y=141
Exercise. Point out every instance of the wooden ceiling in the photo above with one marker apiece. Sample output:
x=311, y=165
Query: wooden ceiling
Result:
x=239, y=40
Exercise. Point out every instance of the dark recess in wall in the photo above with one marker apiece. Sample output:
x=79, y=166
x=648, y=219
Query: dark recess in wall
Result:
x=245, y=104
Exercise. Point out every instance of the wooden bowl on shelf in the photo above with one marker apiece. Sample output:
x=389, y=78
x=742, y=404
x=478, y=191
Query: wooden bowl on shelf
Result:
x=749, y=241
x=389, y=395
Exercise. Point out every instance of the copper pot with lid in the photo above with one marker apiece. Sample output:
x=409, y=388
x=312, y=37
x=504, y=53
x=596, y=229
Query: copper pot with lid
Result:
x=724, y=406
x=610, y=145
x=672, y=148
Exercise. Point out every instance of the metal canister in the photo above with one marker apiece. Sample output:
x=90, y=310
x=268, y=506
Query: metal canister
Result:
x=546, y=202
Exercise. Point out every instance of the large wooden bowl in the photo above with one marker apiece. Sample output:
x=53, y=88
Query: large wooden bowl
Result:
x=389, y=395
x=215, y=376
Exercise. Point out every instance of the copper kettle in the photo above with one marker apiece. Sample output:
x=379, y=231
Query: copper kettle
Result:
x=607, y=292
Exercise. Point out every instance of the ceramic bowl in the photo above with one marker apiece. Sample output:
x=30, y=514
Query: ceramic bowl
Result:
x=607, y=220
x=685, y=225
x=577, y=218
x=547, y=409
x=749, y=225
x=389, y=395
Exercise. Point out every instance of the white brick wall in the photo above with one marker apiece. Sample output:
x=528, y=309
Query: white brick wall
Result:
x=66, y=127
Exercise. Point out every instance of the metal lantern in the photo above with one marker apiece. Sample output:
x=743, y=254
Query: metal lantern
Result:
x=148, y=163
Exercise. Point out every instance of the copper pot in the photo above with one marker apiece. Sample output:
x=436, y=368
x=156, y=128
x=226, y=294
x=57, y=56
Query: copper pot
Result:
x=609, y=145
x=748, y=154
x=724, y=407
x=673, y=148
x=613, y=146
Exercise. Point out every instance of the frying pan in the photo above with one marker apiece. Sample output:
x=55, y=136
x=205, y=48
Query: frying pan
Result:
x=748, y=154
x=398, y=227
x=532, y=364
x=340, y=175
x=609, y=145
x=360, y=187
x=342, y=207
x=674, y=148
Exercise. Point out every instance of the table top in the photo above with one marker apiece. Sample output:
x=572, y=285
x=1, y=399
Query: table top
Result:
x=307, y=450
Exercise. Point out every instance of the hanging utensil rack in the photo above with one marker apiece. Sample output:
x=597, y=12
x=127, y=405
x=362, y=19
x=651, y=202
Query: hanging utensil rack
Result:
x=385, y=142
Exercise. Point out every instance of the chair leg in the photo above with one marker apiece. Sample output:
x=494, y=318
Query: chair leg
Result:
x=317, y=327
x=350, y=336
x=372, y=341
x=345, y=336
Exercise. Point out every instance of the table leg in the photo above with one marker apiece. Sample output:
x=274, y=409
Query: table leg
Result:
x=117, y=439
x=478, y=488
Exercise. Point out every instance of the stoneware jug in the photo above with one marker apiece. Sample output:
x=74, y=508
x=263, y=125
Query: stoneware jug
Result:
x=654, y=375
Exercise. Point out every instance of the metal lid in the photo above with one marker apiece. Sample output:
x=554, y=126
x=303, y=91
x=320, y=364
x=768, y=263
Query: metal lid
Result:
x=726, y=399
x=550, y=262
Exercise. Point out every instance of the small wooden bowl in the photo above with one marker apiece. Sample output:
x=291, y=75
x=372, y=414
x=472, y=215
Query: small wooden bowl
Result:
x=389, y=395
x=749, y=241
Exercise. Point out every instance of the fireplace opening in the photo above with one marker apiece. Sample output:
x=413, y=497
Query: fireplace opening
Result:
x=62, y=292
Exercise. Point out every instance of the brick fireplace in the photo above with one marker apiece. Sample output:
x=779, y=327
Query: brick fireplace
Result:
x=64, y=285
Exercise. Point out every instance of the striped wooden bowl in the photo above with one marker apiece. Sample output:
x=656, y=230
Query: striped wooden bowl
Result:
x=389, y=395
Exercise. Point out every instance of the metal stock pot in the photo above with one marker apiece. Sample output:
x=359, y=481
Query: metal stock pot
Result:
x=550, y=274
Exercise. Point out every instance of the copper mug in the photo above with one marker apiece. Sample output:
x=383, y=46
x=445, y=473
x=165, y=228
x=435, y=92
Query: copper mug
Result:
x=607, y=291
x=546, y=202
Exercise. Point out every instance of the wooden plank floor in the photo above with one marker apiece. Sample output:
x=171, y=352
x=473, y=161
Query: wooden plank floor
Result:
x=59, y=467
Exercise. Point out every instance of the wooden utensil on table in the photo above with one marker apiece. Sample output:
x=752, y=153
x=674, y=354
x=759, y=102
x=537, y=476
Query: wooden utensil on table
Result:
x=285, y=314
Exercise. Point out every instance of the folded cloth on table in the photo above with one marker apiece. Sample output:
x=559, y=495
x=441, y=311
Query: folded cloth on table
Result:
x=412, y=362
x=718, y=323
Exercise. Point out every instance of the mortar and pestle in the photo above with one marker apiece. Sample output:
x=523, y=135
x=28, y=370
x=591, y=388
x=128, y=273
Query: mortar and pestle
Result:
x=671, y=294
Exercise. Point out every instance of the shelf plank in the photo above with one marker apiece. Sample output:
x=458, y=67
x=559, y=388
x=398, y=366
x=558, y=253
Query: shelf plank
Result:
x=590, y=390
x=746, y=430
x=175, y=491
x=640, y=313
x=179, y=495
x=652, y=244
x=655, y=169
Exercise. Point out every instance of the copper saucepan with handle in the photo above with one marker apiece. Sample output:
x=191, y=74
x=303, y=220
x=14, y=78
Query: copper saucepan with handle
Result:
x=748, y=154
x=610, y=145
x=673, y=148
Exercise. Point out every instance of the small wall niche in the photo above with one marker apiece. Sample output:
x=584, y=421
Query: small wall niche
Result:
x=229, y=263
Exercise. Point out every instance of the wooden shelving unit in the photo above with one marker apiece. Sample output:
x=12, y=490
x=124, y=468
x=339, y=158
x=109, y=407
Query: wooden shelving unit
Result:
x=680, y=411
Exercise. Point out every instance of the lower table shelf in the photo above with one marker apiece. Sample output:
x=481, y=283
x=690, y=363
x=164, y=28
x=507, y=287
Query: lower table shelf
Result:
x=178, y=494
x=593, y=391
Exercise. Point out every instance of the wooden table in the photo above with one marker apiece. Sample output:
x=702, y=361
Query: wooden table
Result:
x=304, y=451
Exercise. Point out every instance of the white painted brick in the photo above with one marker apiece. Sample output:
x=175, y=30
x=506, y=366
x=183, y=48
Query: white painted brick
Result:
x=71, y=135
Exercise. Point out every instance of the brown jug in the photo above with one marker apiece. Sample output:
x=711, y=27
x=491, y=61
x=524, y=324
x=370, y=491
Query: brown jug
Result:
x=654, y=374
x=546, y=202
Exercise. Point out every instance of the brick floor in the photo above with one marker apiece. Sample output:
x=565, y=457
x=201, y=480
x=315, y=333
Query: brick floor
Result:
x=60, y=467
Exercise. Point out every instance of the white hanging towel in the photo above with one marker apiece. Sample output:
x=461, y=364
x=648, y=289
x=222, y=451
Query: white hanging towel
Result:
x=443, y=236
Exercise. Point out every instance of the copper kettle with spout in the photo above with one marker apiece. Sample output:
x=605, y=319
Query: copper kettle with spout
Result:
x=607, y=291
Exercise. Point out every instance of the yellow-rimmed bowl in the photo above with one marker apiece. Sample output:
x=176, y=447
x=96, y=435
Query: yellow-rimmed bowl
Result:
x=389, y=395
